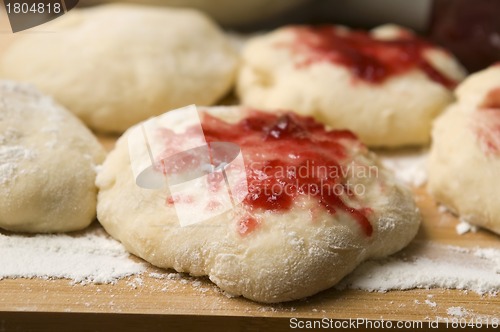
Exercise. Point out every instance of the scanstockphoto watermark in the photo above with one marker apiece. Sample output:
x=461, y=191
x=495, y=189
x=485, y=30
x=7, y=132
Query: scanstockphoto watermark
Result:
x=204, y=179
x=26, y=14
x=310, y=169
x=309, y=179
x=170, y=152
x=296, y=188
x=369, y=324
x=357, y=323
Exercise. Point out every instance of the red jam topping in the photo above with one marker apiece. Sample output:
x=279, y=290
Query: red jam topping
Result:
x=246, y=225
x=492, y=99
x=488, y=126
x=287, y=156
x=371, y=60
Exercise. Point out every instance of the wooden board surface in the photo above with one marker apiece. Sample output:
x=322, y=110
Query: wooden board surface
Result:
x=199, y=297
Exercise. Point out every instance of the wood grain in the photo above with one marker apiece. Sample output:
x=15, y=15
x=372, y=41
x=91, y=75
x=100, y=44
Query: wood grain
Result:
x=198, y=296
x=175, y=300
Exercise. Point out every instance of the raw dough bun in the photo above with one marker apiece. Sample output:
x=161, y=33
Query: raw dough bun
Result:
x=292, y=254
x=116, y=65
x=227, y=12
x=47, y=160
x=464, y=162
x=395, y=112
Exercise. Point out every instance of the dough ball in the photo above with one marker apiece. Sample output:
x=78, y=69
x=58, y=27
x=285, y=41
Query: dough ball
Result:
x=116, y=65
x=386, y=85
x=226, y=12
x=47, y=164
x=464, y=162
x=318, y=203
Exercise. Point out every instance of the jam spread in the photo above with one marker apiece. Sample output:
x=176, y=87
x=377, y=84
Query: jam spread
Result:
x=287, y=155
x=369, y=59
x=488, y=130
x=492, y=99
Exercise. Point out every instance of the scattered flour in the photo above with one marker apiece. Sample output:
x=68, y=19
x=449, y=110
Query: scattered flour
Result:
x=426, y=265
x=10, y=157
x=136, y=282
x=94, y=257
x=456, y=311
x=443, y=209
x=408, y=165
x=156, y=275
x=430, y=303
x=464, y=227
x=168, y=276
x=91, y=257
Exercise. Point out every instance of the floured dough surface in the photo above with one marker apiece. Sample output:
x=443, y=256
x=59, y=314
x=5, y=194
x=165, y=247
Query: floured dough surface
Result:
x=278, y=244
x=464, y=163
x=116, y=65
x=386, y=85
x=47, y=161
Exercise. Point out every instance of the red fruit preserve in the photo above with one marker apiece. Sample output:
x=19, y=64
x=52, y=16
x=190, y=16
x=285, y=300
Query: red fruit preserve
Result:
x=286, y=156
x=369, y=59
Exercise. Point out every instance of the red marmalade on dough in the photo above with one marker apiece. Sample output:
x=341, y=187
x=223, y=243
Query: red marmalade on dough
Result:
x=370, y=59
x=492, y=99
x=488, y=122
x=275, y=148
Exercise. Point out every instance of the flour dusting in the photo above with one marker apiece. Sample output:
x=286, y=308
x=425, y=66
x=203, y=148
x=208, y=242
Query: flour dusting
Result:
x=409, y=166
x=456, y=311
x=428, y=265
x=10, y=158
x=90, y=257
x=464, y=227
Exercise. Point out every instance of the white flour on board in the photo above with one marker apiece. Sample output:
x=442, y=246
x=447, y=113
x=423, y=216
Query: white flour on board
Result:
x=409, y=165
x=428, y=265
x=94, y=257
x=464, y=227
x=90, y=257
x=456, y=311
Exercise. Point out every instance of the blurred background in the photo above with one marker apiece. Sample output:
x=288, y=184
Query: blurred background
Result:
x=470, y=29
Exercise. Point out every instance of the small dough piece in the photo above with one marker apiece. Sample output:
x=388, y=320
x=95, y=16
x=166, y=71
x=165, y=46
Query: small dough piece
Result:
x=464, y=161
x=286, y=240
x=116, y=65
x=386, y=85
x=47, y=164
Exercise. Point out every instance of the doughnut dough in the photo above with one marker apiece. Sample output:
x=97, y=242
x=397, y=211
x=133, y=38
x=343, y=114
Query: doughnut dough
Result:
x=116, y=65
x=47, y=160
x=464, y=162
x=292, y=252
x=387, y=105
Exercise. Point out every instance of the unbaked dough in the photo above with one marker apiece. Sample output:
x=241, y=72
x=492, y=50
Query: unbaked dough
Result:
x=464, y=162
x=47, y=164
x=352, y=79
x=272, y=247
x=116, y=65
x=226, y=12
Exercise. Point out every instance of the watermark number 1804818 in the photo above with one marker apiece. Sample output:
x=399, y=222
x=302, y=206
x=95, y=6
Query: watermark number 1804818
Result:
x=26, y=14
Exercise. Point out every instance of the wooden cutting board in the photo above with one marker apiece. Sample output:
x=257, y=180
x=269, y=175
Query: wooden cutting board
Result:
x=207, y=306
x=195, y=296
